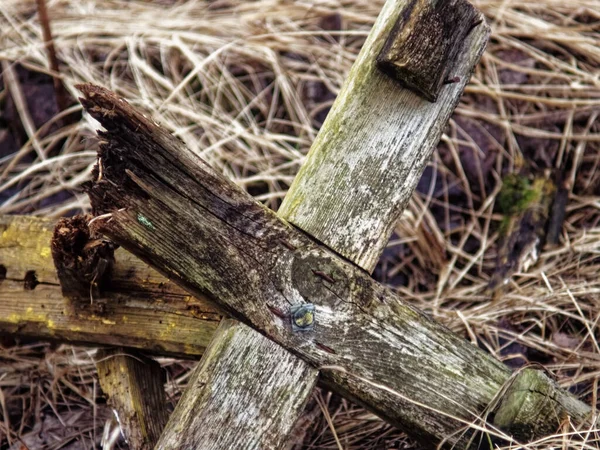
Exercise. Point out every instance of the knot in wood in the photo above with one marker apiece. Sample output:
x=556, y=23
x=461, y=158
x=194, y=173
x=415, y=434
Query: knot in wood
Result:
x=320, y=279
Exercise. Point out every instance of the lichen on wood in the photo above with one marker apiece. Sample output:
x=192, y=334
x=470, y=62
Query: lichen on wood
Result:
x=133, y=382
x=534, y=405
x=214, y=239
x=139, y=308
x=246, y=392
x=368, y=156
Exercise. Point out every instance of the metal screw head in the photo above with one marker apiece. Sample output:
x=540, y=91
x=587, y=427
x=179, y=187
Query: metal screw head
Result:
x=303, y=317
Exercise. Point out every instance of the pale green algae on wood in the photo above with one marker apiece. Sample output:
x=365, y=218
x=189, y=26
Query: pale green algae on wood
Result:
x=534, y=405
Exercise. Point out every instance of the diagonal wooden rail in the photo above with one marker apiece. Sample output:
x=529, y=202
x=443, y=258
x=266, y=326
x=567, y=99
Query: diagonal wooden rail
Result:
x=163, y=203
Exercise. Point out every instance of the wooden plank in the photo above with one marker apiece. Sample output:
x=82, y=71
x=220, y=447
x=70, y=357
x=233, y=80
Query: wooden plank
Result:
x=367, y=159
x=142, y=309
x=234, y=401
x=169, y=207
x=203, y=414
x=134, y=385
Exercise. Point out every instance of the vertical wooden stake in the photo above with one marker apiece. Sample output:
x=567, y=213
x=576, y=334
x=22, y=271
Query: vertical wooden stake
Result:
x=134, y=385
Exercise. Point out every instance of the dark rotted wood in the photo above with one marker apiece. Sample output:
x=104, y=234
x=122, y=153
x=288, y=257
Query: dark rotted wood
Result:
x=138, y=308
x=134, y=385
x=83, y=262
x=424, y=43
x=162, y=202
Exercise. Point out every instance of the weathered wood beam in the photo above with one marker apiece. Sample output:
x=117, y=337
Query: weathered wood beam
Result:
x=159, y=200
x=140, y=308
x=233, y=401
x=134, y=385
x=237, y=356
x=426, y=39
x=376, y=131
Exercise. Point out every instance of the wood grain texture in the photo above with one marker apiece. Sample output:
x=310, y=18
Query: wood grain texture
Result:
x=233, y=432
x=446, y=42
x=424, y=43
x=172, y=210
x=534, y=401
x=246, y=393
x=372, y=149
x=134, y=385
x=140, y=309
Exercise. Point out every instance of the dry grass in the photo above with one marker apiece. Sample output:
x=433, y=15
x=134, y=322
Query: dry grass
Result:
x=246, y=86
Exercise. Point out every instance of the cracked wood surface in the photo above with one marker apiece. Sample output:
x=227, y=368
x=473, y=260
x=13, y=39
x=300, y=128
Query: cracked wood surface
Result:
x=140, y=308
x=134, y=385
x=207, y=408
x=171, y=209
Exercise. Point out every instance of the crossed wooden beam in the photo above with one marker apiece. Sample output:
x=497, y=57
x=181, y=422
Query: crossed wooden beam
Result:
x=300, y=278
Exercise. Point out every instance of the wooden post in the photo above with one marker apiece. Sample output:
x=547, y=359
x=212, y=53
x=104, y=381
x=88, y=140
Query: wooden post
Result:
x=240, y=399
x=134, y=385
x=368, y=157
x=161, y=201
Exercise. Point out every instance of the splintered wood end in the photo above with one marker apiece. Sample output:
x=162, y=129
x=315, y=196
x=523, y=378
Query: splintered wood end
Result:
x=425, y=42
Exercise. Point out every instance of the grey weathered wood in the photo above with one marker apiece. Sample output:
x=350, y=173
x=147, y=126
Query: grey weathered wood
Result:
x=142, y=308
x=246, y=392
x=367, y=158
x=174, y=211
x=134, y=385
x=533, y=401
x=240, y=400
x=424, y=79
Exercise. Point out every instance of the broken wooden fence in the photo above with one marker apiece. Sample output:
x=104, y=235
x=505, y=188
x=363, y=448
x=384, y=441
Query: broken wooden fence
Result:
x=165, y=205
